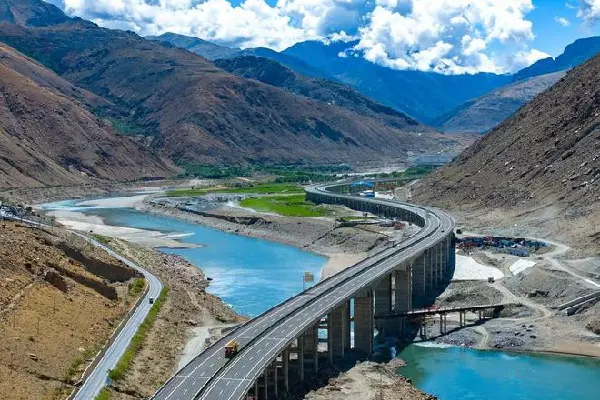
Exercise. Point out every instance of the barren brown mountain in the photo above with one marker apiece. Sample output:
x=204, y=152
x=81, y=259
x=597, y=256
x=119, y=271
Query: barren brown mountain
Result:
x=192, y=111
x=48, y=137
x=60, y=301
x=540, y=169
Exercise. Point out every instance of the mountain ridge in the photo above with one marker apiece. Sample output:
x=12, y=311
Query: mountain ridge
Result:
x=194, y=112
x=540, y=167
x=48, y=137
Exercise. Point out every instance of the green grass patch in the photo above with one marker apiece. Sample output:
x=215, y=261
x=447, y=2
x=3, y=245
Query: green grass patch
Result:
x=416, y=172
x=289, y=206
x=356, y=218
x=257, y=189
x=137, y=341
x=136, y=287
x=126, y=127
x=104, y=395
x=105, y=240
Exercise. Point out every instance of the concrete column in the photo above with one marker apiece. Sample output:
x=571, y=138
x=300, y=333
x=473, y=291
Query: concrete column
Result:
x=275, y=379
x=266, y=380
x=383, y=306
x=286, y=370
x=383, y=296
x=256, y=388
x=301, y=357
x=311, y=343
x=339, y=330
x=419, y=281
x=330, y=338
x=363, y=324
x=403, y=295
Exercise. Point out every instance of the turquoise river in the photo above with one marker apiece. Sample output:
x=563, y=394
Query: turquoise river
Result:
x=253, y=275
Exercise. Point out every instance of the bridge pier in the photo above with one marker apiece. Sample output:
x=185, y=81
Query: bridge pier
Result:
x=310, y=349
x=383, y=306
x=339, y=331
x=403, y=294
x=364, y=324
x=286, y=370
x=419, y=281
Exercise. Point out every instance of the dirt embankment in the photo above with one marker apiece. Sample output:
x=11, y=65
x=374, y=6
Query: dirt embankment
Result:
x=187, y=308
x=369, y=380
x=532, y=322
x=55, y=312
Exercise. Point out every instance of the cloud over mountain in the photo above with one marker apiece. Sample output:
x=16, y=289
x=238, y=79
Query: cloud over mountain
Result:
x=589, y=10
x=448, y=36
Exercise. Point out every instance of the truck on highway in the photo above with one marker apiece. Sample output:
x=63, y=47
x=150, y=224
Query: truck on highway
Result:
x=231, y=348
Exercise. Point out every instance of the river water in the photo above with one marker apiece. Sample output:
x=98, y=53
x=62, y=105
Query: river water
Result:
x=253, y=275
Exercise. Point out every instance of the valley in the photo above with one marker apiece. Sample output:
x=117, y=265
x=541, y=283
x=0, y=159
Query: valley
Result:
x=299, y=200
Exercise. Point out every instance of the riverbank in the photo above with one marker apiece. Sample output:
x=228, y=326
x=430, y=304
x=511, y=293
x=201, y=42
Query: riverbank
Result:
x=535, y=287
x=187, y=310
x=343, y=246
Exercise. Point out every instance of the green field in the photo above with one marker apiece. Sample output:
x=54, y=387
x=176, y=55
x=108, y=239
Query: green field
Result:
x=258, y=189
x=289, y=206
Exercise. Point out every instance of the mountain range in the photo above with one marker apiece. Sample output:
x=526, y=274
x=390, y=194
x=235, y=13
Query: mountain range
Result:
x=446, y=102
x=189, y=111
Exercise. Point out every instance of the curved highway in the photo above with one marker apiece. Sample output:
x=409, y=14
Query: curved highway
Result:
x=212, y=376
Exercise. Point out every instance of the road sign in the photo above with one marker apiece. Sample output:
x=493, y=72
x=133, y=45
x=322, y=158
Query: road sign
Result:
x=307, y=278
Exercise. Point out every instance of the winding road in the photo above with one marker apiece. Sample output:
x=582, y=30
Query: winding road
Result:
x=98, y=377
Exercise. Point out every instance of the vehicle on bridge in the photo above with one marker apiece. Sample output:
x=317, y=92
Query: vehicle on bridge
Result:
x=231, y=348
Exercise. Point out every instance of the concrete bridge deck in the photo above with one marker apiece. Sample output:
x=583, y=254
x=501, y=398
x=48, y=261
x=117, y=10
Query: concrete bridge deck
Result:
x=410, y=274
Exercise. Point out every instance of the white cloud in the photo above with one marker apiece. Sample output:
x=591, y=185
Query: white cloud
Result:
x=448, y=36
x=562, y=21
x=589, y=11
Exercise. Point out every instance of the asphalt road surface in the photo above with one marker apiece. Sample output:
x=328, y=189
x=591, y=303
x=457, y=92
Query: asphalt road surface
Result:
x=99, y=376
x=212, y=376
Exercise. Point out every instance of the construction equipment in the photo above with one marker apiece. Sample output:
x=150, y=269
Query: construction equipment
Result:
x=231, y=348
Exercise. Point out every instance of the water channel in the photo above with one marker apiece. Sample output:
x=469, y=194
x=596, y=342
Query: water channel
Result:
x=253, y=275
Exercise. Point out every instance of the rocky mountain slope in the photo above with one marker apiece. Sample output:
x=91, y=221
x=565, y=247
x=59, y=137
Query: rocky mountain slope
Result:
x=275, y=74
x=60, y=301
x=486, y=112
x=48, y=136
x=194, y=112
x=540, y=167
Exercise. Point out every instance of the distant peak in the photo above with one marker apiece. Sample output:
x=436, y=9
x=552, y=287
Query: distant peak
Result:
x=31, y=13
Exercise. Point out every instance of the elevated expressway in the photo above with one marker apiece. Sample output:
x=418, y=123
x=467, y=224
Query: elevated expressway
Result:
x=401, y=278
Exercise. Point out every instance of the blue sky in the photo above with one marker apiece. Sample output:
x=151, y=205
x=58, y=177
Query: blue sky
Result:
x=446, y=36
x=550, y=36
